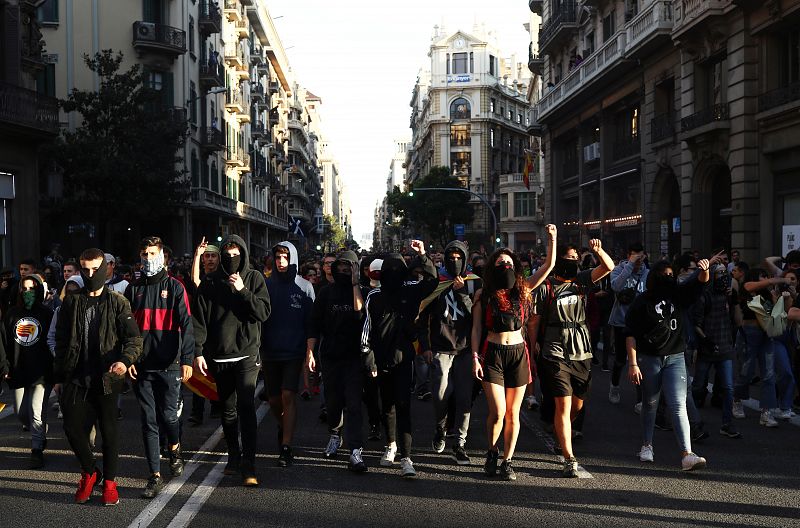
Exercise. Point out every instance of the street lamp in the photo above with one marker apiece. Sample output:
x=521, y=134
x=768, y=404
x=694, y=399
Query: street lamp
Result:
x=473, y=193
x=217, y=90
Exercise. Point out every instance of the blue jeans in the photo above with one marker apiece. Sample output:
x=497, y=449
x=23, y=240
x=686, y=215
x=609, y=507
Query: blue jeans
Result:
x=158, y=392
x=754, y=347
x=785, y=377
x=667, y=374
x=724, y=376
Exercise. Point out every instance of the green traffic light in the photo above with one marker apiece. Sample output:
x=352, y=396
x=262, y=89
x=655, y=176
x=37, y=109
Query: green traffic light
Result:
x=411, y=193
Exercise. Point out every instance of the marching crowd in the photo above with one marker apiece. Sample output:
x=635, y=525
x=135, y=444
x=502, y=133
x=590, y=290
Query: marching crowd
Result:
x=370, y=333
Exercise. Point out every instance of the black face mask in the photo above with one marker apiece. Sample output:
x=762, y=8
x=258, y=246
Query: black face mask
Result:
x=452, y=266
x=721, y=283
x=393, y=274
x=96, y=281
x=342, y=279
x=230, y=263
x=566, y=268
x=504, y=276
x=663, y=286
x=477, y=270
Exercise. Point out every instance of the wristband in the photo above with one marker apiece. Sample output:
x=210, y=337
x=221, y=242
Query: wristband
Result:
x=634, y=364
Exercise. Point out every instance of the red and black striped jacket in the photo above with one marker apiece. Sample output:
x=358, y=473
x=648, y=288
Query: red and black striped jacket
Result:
x=161, y=309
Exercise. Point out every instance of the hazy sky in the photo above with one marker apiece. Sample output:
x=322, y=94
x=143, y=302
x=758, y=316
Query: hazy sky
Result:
x=362, y=58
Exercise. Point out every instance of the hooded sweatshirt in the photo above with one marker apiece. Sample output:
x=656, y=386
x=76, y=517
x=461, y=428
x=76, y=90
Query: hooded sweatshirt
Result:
x=227, y=323
x=161, y=309
x=625, y=276
x=283, y=335
x=333, y=318
x=446, y=323
x=24, y=339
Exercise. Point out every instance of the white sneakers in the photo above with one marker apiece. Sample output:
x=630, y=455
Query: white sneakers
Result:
x=407, y=468
x=388, y=456
x=766, y=419
x=781, y=414
x=333, y=445
x=646, y=453
x=692, y=461
x=614, y=394
x=738, y=409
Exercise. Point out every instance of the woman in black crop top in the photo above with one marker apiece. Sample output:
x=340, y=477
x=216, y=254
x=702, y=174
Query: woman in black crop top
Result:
x=499, y=351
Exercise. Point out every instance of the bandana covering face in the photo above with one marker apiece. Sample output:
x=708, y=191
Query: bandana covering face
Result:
x=96, y=281
x=152, y=267
x=29, y=298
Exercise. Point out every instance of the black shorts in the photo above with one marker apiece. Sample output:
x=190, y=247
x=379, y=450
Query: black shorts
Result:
x=566, y=378
x=506, y=365
x=282, y=375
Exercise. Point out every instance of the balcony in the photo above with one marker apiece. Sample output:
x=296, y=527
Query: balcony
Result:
x=714, y=114
x=210, y=20
x=559, y=26
x=238, y=159
x=27, y=110
x=234, y=102
x=152, y=37
x=273, y=87
x=535, y=127
x=779, y=97
x=598, y=66
x=213, y=201
x=232, y=11
x=649, y=29
x=691, y=13
x=212, y=76
x=257, y=130
x=300, y=214
x=535, y=62
x=662, y=127
x=234, y=56
x=256, y=92
x=626, y=148
x=212, y=139
x=262, y=67
x=536, y=6
x=256, y=54
x=241, y=28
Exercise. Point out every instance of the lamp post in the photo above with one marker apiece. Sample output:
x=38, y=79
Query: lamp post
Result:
x=472, y=193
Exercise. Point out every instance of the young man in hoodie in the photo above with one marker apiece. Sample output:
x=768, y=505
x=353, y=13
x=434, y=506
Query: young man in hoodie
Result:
x=336, y=321
x=387, y=340
x=283, y=342
x=161, y=309
x=446, y=327
x=97, y=340
x=23, y=338
x=230, y=307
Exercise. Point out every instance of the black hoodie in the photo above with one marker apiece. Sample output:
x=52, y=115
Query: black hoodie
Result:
x=227, y=323
x=333, y=318
x=24, y=340
x=446, y=323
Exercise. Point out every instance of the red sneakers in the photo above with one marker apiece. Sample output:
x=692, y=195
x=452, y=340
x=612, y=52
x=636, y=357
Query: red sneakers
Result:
x=86, y=485
x=110, y=495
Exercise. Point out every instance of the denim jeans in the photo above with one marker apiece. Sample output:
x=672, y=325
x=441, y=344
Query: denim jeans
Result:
x=667, y=374
x=422, y=372
x=754, y=347
x=724, y=378
x=158, y=392
x=30, y=404
x=785, y=377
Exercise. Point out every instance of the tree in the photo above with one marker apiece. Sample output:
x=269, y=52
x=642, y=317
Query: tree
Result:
x=336, y=235
x=122, y=161
x=434, y=213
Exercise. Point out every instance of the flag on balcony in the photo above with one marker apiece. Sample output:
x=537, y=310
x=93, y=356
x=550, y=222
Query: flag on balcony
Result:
x=527, y=170
x=294, y=227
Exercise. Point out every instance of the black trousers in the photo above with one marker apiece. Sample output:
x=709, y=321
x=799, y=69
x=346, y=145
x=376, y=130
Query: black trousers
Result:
x=394, y=385
x=372, y=399
x=82, y=406
x=344, y=385
x=236, y=386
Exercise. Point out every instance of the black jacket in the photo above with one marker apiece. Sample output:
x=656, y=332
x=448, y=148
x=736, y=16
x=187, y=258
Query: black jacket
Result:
x=389, y=328
x=227, y=323
x=334, y=320
x=119, y=337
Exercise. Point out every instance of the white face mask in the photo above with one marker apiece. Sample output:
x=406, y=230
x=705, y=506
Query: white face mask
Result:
x=152, y=267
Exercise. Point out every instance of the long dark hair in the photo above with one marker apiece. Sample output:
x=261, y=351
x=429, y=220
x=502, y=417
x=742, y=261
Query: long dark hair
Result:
x=754, y=275
x=520, y=286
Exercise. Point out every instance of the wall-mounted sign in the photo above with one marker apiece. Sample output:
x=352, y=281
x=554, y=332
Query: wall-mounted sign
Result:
x=790, y=239
x=458, y=78
x=627, y=223
x=676, y=224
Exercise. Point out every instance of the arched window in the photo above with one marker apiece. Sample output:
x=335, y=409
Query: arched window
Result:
x=460, y=109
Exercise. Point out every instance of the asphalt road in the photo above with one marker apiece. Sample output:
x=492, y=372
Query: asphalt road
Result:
x=753, y=481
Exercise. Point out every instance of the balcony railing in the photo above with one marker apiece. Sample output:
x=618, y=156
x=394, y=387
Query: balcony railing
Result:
x=232, y=10
x=256, y=54
x=781, y=96
x=256, y=91
x=460, y=140
x=210, y=20
x=592, y=67
x=158, y=37
x=257, y=129
x=242, y=28
x=212, y=75
x=234, y=100
x=688, y=13
x=718, y=112
x=565, y=18
x=238, y=157
x=28, y=109
x=212, y=138
x=662, y=127
x=535, y=62
x=233, y=55
x=655, y=19
x=626, y=148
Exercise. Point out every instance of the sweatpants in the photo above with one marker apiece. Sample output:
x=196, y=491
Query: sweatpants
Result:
x=158, y=392
x=30, y=404
x=344, y=384
x=80, y=407
x=394, y=386
x=451, y=376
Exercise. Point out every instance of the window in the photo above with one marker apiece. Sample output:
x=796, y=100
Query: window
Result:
x=460, y=163
x=589, y=44
x=491, y=137
x=460, y=109
x=195, y=169
x=524, y=203
x=191, y=34
x=502, y=111
x=162, y=83
x=192, y=102
x=448, y=64
x=790, y=58
x=204, y=182
x=472, y=62
x=48, y=12
x=504, y=205
x=519, y=119
x=46, y=80
x=492, y=69
x=459, y=63
x=608, y=26
x=460, y=136
x=214, y=176
x=491, y=105
x=510, y=115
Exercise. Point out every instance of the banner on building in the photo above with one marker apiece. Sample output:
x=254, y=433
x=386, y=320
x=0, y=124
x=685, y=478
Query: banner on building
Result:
x=790, y=239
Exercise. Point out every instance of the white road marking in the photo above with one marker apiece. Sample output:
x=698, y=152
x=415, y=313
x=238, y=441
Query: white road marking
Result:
x=192, y=506
x=549, y=443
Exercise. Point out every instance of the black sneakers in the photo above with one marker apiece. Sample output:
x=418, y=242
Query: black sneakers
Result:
x=490, y=466
x=37, y=459
x=374, y=432
x=506, y=471
x=356, y=463
x=233, y=465
x=460, y=455
x=438, y=441
x=176, y=461
x=154, y=486
x=286, y=458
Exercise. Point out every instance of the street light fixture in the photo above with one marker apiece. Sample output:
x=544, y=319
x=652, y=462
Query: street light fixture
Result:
x=217, y=90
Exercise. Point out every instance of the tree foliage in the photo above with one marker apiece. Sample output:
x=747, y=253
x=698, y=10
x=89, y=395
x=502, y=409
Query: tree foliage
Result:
x=336, y=235
x=433, y=213
x=122, y=161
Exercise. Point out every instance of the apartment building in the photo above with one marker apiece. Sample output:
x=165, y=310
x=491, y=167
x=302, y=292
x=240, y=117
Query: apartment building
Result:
x=672, y=122
x=385, y=234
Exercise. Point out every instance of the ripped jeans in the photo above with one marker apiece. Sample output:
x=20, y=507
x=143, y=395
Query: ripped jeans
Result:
x=665, y=374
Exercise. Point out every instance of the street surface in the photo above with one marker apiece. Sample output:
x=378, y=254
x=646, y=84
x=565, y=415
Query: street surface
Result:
x=749, y=482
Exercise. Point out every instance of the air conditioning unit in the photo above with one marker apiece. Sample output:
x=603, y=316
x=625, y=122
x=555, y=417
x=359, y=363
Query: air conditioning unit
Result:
x=591, y=152
x=146, y=31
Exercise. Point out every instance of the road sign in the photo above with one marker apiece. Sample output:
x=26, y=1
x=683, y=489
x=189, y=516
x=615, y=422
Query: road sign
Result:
x=459, y=229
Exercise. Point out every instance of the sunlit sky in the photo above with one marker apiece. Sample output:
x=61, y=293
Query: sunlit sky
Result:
x=362, y=58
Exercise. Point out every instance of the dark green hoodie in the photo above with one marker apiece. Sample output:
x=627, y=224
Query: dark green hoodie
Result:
x=227, y=323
